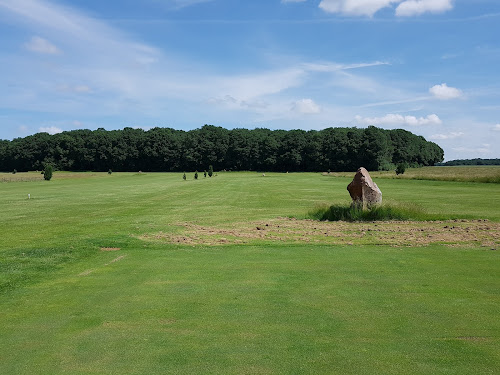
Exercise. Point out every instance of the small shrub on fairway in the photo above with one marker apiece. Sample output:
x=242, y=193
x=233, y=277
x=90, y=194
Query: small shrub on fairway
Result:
x=110, y=171
x=47, y=173
x=184, y=177
x=210, y=171
x=196, y=175
x=205, y=174
x=401, y=168
x=14, y=171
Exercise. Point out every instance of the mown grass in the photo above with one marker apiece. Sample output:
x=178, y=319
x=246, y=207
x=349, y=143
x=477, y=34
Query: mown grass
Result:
x=482, y=174
x=67, y=307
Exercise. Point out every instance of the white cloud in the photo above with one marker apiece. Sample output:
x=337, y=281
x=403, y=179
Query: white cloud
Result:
x=399, y=120
x=496, y=128
x=452, y=135
x=444, y=92
x=306, y=106
x=50, y=129
x=370, y=7
x=355, y=7
x=417, y=7
x=485, y=148
x=40, y=45
x=23, y=129
x=331, y=67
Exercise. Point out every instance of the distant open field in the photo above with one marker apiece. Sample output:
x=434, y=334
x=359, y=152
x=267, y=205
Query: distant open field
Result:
x=489, y=174
x=148, y=274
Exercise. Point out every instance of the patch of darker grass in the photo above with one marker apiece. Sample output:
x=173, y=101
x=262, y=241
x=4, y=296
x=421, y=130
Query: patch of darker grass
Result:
x=21, y=267
x=382, y=212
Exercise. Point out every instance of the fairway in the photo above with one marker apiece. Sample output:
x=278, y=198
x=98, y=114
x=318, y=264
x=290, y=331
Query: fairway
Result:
x=144, y=273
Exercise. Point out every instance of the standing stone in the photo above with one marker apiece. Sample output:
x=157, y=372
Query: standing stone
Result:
x=363, y=190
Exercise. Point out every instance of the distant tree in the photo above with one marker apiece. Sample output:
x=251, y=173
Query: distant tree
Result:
x=110, y=171
x=205, y=174
x=47, y=173
x=210, y=170
x=401, y=168
x=184, y=177
x=196, y=175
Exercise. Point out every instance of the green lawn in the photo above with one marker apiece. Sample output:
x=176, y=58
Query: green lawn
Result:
x=272, y=307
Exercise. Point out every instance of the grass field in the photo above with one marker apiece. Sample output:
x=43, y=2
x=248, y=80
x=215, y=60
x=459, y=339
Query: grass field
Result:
x=149, y=274
x=488, y=174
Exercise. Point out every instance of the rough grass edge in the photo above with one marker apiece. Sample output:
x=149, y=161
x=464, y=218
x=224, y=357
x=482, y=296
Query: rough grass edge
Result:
x=381, y=212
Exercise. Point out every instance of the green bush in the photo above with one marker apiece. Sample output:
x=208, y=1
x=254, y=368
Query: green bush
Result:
x=14, y=171
x=400, y=168
x=184, y=177
x=47, y=173
x=196, y=175
x=210, y=171
x=205, y=174
x=110, y=171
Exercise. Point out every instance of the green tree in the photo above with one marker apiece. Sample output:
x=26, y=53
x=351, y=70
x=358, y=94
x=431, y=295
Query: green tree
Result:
x=196, y=175
x=47, y=173
x=210, y=170
x=400, y=168
x=184, y=177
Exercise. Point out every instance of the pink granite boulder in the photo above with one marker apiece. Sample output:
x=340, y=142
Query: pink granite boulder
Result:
x=363, y=190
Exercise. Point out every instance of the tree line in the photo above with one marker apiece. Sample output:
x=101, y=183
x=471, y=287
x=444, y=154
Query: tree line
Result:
x=477, y=161
x=166, y=149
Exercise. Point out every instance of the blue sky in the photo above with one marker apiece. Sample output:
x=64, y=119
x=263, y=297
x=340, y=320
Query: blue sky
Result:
x=428, y=66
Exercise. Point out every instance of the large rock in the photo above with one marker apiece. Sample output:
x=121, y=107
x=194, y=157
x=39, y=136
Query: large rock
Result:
x=363, y=190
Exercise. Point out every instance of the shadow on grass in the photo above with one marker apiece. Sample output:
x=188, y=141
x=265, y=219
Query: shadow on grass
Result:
x=382, y=212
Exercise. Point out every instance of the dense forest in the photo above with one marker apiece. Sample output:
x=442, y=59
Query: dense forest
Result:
x=166, y=149
x=470, y=162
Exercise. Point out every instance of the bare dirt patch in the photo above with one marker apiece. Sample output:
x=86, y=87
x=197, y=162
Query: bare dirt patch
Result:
x=392, y=233
x=110, y=248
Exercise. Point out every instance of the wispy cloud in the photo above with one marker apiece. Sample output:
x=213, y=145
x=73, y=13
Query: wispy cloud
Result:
x=399, y=120
x=484, y=148
x=452, y=135
x=40, y=45
x=405, y=8
x=410, y=8
x=187, y=3
x=306, y=106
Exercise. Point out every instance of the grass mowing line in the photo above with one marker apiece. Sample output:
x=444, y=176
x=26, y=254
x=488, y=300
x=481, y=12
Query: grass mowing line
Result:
x=88, y=272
